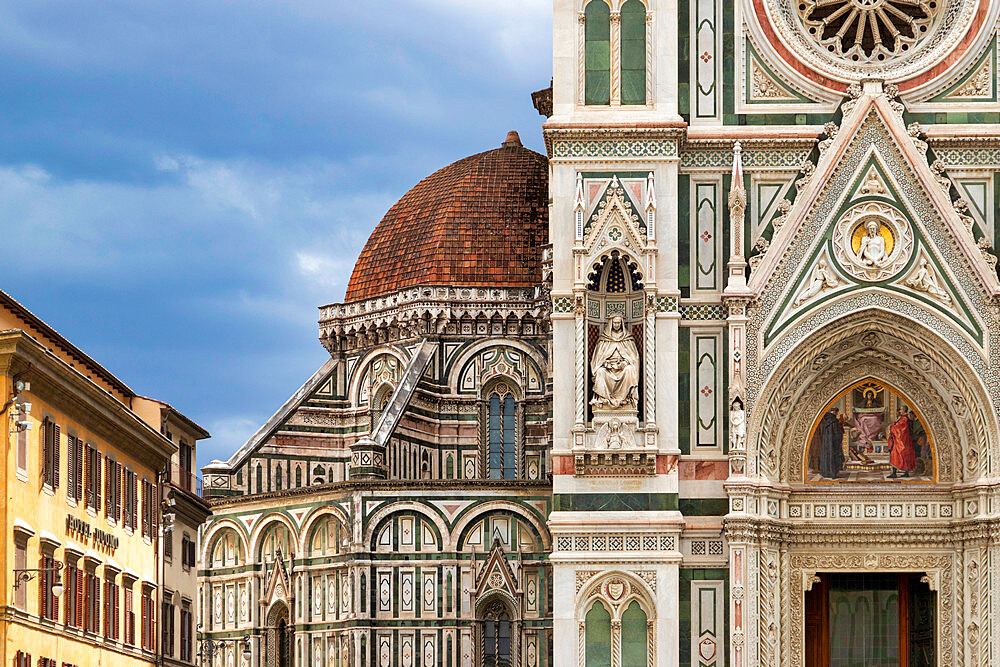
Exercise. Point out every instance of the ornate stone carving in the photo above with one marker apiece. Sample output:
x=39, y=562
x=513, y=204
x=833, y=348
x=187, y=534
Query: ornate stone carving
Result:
x=924, y=279
x=872, y=241
x=822, y=279
x=615, y=368
x=980, y=84
x=830, y=129
x=762, y=86
x=784, y=206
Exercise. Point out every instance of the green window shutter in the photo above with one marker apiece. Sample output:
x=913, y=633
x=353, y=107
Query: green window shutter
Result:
x=633, y=27
x=634, y=636
x=597, y=53
x=598, y=636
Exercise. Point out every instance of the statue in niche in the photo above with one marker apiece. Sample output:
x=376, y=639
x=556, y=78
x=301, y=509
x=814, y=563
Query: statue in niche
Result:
x=737, y=426
x=615, y=368
x=872, y=251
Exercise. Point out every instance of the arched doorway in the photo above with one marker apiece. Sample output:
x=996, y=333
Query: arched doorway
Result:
x=496, y=633
x=278, y=637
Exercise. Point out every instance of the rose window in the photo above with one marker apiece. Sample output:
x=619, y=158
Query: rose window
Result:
x=868, y=30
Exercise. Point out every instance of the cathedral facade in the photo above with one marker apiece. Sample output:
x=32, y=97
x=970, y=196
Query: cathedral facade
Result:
x=714, y=382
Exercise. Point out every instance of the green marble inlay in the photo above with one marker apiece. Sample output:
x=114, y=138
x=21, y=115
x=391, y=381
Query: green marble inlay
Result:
x=614, y=502
x=704, y=506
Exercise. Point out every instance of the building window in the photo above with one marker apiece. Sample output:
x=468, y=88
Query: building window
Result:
x=501, y=433
x=73, y=595
x=110, y=608
x=20, y=563
x=167, y=625
x=50, y=453
x=633, y=60
x=92, y=603
x=47, y=604
x=597, y=636
x=187, y=464
x=186, y=627
x=187, y=552
x=597, y=53
x=129, y=617
x=74, y=468
x=109, y=487
x=150, y=508
x=496, y=636
x=148, y=614
x=93, y=478
x=22, y=659
x=168, y=545
x=131, y=506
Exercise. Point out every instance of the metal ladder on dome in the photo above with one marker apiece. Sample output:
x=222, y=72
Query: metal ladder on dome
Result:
x=404, y=391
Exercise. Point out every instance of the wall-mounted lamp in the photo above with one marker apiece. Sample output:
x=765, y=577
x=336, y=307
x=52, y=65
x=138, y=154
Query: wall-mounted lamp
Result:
x=27, y=574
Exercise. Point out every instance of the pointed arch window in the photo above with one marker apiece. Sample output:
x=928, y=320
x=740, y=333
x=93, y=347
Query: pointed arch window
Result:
x=597, y=53
x=634, y=636
x=501, y=433
x=597, y=636
x=496, y=646
x=633, y=52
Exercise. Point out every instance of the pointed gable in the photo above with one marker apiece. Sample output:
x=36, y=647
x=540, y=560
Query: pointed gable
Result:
x=873, y=159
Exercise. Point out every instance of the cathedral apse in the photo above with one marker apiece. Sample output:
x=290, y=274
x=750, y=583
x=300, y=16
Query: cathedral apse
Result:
x=870, y=433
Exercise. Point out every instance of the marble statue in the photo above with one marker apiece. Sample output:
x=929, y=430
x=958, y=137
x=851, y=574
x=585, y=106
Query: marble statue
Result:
x=615, y=367
x=822, y=278
x=924, y=280
x=737, y=426
x=872, y=252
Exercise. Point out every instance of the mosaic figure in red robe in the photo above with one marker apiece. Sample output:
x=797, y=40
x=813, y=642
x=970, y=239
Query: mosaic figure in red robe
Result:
x=902, y=455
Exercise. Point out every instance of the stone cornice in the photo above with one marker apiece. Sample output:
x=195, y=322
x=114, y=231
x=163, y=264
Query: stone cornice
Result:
x=324, y=491
x=83, y=400
x=426, y=309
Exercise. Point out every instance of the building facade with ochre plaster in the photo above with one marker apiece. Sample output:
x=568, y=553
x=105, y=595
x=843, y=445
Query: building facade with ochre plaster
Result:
x=714, y=382
x=83, y=579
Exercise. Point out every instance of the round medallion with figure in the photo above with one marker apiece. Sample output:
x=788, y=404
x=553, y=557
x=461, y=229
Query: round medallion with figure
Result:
x=873, y=241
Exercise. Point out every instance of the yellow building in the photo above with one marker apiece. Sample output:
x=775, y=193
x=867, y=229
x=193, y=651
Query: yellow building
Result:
x=80, y=511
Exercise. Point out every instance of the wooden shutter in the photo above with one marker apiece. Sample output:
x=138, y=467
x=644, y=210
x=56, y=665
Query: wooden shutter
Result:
x=55, y=457
x=70, y=465
x=155, y=509
x=46, y=450
x=43, y=599
x=89, y=474
x=97, y=604
x=118, y=491
x=80, y=595
x=109, y=487
x=98, y=467
x=145, y=507
x=78, y=489
x=135, y=499
x=115, y=614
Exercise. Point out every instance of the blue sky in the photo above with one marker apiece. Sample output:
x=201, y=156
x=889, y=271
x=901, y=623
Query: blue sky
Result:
x=184, y=183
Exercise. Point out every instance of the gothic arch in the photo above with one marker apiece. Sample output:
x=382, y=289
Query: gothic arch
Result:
x=465, y=356
x=215, y=530
x=384, y=512
x=261, y=527
x=477, y=511
x=891, y=348
x=317, y=515
x=358, y=372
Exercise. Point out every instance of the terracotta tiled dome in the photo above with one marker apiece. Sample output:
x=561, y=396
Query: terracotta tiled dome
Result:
x=480, y=221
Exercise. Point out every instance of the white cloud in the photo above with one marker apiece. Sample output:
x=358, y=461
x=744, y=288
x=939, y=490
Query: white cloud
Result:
x=228, y=435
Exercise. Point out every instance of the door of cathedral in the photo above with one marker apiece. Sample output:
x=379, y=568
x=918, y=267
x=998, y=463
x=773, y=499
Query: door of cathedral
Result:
x=870, y=618
x=278, y=641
